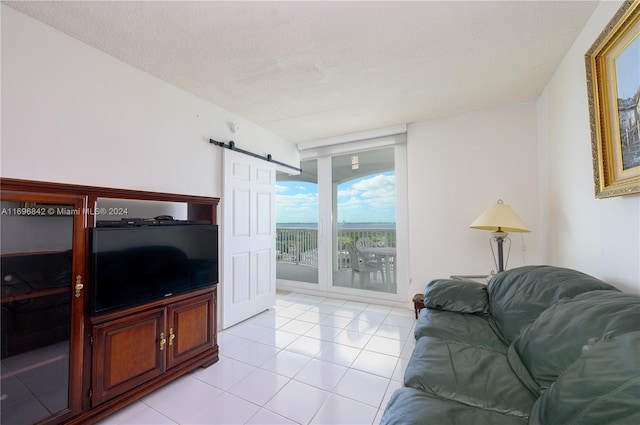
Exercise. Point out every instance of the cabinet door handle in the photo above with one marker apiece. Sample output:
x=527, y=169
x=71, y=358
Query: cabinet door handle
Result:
x=172, y=336
x=78, y=286
x=163, y=341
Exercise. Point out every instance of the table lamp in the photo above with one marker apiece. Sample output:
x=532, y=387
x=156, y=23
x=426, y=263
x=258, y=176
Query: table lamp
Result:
x=500, y=219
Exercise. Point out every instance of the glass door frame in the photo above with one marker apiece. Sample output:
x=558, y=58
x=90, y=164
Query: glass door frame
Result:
x=300, y=285
x=327, y=227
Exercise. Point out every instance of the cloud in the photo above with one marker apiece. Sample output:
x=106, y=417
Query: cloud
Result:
x=297, y=208
x=378, y=191
x=299, y=200
x=369, y=199
x=344, y=192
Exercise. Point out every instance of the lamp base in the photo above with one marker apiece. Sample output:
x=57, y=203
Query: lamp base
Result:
x=499, y=238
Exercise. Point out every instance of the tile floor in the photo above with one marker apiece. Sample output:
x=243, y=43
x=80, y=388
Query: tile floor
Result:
x=309, y=360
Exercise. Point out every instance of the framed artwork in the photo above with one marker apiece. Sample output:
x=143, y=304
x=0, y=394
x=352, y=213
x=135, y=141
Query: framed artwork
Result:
x=613, y=82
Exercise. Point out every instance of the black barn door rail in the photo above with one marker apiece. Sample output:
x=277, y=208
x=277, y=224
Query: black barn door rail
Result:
x=267, y=158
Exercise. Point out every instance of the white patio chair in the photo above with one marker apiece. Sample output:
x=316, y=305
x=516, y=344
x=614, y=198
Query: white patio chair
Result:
x=364, y=269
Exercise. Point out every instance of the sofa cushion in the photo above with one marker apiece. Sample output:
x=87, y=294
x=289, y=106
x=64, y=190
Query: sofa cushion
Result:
x=410, y=406
x=463, y=296
x=565, y=330
x=601, y=387
x=472, y=329
x=518, y=296
x=470, y=375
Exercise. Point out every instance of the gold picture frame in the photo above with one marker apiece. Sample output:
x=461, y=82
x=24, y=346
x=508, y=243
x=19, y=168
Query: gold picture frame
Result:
x=613, y=83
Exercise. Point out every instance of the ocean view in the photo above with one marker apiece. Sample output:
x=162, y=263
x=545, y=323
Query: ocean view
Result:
x=340, y=225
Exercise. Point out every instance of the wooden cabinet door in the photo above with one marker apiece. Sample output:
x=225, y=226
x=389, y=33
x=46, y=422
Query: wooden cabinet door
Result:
x=43, y=275
x=127, y=352
x=190, y=326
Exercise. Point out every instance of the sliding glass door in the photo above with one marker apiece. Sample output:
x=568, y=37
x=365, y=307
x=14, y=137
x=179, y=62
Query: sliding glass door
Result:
x=337, y=226
x=364, y=205
x=297, y=225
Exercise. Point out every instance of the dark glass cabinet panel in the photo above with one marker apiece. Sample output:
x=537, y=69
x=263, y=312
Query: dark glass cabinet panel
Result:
x=37, y=287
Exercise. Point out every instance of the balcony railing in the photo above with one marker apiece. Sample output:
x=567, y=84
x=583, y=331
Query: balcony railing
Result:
x=300, y=245
x=297, y=246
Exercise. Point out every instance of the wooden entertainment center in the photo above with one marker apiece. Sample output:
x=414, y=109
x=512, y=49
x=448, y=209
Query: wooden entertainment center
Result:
x=113, y=358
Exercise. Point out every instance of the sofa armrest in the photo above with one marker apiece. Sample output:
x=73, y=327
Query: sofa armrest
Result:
x=463, y=296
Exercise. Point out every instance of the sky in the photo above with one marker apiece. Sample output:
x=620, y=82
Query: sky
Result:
x=369, y=199
x=627, y=66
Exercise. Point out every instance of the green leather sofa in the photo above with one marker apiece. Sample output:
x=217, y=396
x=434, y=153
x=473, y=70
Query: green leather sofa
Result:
x=537, y=345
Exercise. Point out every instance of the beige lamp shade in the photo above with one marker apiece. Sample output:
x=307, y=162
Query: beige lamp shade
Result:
x=499, y=218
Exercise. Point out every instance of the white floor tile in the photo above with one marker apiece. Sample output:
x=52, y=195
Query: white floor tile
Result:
x=270, y=321
x=401, y=366
x=407, y=350
x=306, y=345
x=124, y=414
x=298, y=402
x=286, y=363
x=323, y=332
x=353, y=339
x=266, y=417
x=339, y=354
x=226, y=409
x=407, y=312
x=379, y=344
x=315, y=299
x=372, y=316
x=403, y=321
x=259, y=386
x=248, y=331
x=279, y=339
x=256, y=354
x=375, y=363
x=225, y=373
x=148, y=416
x=289, y=312
x=312, y=316
x=323, y=308
x=356, y=305
x=336, y=321
x=392, y=331
x=340, y=410
x=362, y=326
x=379, y=308
x=393, y=386
x=348, y=312
x=334, y=301
x=230, y=344
x=296, y=326
x=192, y=396
x=303, y=305
x=321, y=374
x=169, y=390
x=363, y=387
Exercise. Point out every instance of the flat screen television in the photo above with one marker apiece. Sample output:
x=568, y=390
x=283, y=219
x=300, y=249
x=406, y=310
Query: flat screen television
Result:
x=137, y=264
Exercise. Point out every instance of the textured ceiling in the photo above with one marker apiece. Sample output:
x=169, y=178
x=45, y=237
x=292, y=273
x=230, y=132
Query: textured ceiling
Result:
x=308, y=70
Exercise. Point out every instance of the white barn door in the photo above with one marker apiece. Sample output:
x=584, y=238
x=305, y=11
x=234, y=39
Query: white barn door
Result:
x=249, y=242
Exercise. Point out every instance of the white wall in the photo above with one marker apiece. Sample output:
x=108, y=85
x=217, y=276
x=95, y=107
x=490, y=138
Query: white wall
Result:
x=73, y=114
x=458, y=166
x=598, y=236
